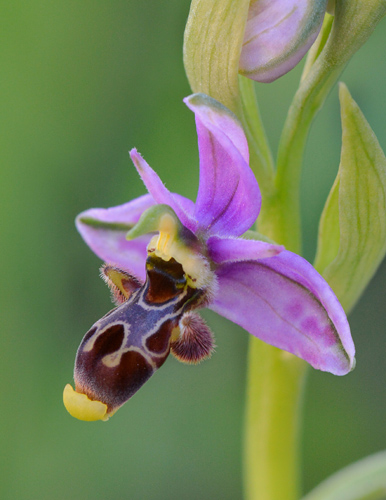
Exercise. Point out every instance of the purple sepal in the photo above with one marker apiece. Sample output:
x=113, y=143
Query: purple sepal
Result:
x=108, y=242
x=226, y=181
x=286, y=303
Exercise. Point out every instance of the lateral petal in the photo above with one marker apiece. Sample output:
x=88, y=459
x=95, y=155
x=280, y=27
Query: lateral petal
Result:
x=182, y=207
x=228, y=200
x=286, y=303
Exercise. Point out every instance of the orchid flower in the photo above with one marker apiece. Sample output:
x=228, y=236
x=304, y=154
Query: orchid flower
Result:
x=167, y=257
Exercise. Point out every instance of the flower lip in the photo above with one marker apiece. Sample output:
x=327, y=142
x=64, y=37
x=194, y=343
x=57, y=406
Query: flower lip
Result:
x=123, y=349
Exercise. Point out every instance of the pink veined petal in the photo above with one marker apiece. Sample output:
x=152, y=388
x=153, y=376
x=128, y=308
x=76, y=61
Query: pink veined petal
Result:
x=286, y=303
x=111, y=245
x=223, y=250
x=228, y=200
x=161, y=194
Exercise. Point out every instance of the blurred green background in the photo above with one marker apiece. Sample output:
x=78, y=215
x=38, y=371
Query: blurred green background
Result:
x=82, y=83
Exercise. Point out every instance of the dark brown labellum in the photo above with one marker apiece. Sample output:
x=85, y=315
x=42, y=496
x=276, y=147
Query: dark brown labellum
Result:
x=125, y=347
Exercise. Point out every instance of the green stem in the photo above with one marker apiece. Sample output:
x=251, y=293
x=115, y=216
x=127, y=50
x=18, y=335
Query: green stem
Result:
x=275, y=378
x=307, y=102
x=274, y=401
x=261, y=160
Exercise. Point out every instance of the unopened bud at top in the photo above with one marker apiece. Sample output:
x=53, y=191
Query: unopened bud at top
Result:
x=277, y=35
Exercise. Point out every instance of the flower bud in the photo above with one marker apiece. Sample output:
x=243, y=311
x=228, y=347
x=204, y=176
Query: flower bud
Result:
x=277, y=35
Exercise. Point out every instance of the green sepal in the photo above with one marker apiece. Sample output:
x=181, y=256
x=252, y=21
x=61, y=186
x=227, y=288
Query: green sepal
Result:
x=352, y=232
x=363, y=480
x=212, y=46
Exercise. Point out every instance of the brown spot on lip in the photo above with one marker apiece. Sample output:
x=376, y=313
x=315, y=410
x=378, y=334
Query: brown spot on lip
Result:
x=159, y=341
x=108, y=342
x=111, y=385
x=123, y=382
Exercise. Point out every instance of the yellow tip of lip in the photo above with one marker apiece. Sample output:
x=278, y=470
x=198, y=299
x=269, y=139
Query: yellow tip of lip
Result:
x=81, y=407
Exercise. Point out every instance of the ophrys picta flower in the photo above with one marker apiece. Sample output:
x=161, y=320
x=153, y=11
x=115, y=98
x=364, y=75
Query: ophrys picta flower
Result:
x=167, y=257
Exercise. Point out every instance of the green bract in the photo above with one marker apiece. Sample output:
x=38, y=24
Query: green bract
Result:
x=363, y=480
x=352, y=232
x=212, y=47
